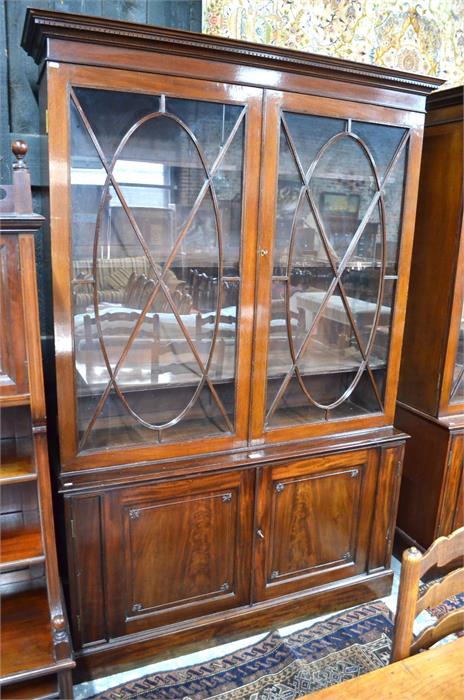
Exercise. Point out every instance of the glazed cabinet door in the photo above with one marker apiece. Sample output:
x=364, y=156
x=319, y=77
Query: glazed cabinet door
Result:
x=13, y=361
x=451, y=508
x=335, y=239
x=313, y=522
x=177, y=550
x=153, y=244
x=457, y=387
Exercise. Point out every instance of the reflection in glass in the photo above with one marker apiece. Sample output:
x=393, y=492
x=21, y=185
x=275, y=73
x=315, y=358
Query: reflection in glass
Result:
x=156, y=266
x=457, y=391
x=342, y=187
x=393, y=197
x=382, y=141
x=338, y=212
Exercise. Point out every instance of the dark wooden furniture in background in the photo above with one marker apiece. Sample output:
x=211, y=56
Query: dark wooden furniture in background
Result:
x=36, y=654
x=431, y=388
x=223, y=474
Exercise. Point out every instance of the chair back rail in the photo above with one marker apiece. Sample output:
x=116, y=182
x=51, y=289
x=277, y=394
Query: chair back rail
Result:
x=414, y=566
x=442, y=590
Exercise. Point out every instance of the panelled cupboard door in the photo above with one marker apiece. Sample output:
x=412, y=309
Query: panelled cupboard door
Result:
x=334, y=252
x=177, y=550
x=313, y=522
x=154, y=185
x=13, y=362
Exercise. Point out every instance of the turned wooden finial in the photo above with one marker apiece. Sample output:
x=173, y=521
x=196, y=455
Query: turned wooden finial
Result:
x=59, y=628
x=19, y=149
x=21, y=179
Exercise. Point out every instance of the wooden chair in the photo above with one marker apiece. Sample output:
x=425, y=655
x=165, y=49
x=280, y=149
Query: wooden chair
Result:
x=204, y=325
x=139, y=288
x=414, y=566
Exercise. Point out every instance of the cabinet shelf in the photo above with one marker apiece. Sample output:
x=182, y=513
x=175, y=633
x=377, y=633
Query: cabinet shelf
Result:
x=20, y=546
x=38, y=688
x=27, y=634
x=16, y=461
x=322, y=366
x=15, y=400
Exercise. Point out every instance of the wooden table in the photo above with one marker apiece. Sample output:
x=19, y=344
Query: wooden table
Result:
x=434, y=674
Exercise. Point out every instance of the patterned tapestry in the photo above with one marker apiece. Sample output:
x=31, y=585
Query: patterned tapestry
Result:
x=422, y=37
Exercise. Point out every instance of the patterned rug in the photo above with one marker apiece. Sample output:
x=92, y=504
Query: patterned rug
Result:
x=453, y=603
x=278, y=668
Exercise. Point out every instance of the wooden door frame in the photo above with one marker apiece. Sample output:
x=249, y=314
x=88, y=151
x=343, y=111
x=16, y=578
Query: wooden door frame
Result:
x=274, y=102
x=60, y=77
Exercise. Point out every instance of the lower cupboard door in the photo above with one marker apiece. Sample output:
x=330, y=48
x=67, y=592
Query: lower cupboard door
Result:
x=314, y=520
x=178, y=550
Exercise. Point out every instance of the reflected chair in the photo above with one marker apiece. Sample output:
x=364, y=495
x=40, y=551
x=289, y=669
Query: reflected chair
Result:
x=442, y=552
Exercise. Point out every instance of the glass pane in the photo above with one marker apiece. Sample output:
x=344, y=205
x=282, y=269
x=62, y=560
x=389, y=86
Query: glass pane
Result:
x=343, y=187
x=362, y=277
x=335, y=260
x=211, y=123
x=309, y=134
x=382, y=142
x=289, y=193
x=457, y=392
x=228, y=183
x=156, y=265
x=111, y=114
x=293, y=408
x=393, y=198
x=87, y=180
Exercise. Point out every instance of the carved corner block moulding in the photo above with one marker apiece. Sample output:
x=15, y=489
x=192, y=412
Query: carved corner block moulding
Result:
x=231, y=238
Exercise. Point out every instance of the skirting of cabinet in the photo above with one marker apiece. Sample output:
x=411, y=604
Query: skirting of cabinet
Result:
x=134, y=650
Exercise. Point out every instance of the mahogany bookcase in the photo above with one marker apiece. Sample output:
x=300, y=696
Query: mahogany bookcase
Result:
x=231, y=234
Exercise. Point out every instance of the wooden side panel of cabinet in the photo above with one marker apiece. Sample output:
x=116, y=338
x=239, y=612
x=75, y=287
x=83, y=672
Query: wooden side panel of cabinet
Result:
x=451, y=504
x=386, y=506
x=314, y=519
x=86, y=569
x=424, y=466
x=13, y=361
x=433, y=269
x=178, y=549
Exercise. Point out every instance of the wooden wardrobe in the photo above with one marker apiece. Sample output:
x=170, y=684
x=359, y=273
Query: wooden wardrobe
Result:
x=431, y=389
x=231, y=233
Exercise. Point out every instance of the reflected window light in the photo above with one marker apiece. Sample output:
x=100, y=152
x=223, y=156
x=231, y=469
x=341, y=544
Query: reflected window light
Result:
x=143, y=184
x=128, y=172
